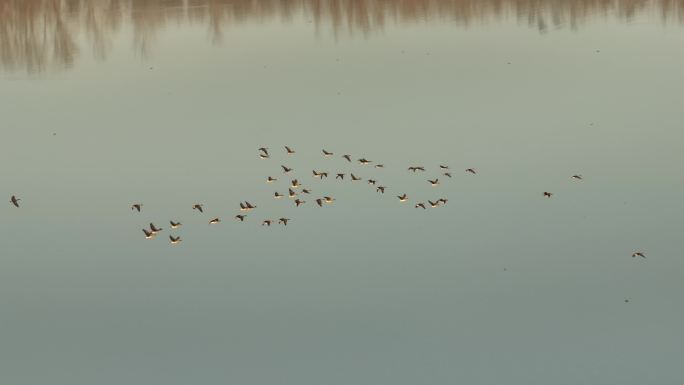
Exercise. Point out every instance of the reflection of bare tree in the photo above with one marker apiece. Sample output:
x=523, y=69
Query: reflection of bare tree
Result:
x=37, y=34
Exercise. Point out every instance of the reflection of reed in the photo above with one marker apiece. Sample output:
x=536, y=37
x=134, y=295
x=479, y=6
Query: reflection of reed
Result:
x=35, y=34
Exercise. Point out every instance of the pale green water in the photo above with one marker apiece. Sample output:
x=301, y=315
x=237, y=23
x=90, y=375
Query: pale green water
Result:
x=365, y=291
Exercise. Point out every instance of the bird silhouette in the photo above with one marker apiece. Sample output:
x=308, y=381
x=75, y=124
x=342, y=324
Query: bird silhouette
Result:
x=319, y=202
x=267, y=222
x=329, y=199
x=295, y=183
x=347, y=157
x=148, y=234
x=326, y=153
x=638, y=254
x=547, y=194
x=299, y=202
x=284, y=221
x=380, y=189
x=339, y=176
x=372, y=181
x=291, y=193
x=271, y=179
x=136, y=206
x=277, y=195
x=443, y=200
x=364, y=161
x=354, y=177
x=175, y=240
x=199, y=207
x=416, y=168
x=263, y=149
x=214, y=221
x=434, y=182
x=306, y=191
x=289, y=150
x=286, y=169
x=15, y=201
x=379, y=166
x=443, y=167
x=433, y=204
x=422, y=205
x=175, y=225
x=402, y=198
x=154, y=228
x=448, y=174
x=471, y=170
x=264, y=156
x=241, y=217
x=577, y=176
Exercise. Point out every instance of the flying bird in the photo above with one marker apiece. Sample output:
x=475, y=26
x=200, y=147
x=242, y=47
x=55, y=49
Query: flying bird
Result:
x=347, y=157
x=175, y=240
x=286, y=169
x=372, y=181
x=434, y=182
x=326, y=153
x=329, y=199
x=267, y=222
x=289, y=150
x=295, y=183
x=433, y=204
x=471, y=170
x=284, y=221
x=299, y=202
x=638, y=254
x=379, y=166
x=264, y=156
x=402, y=198
x=306, y=191
x=214, y=221
x=577, y=176
x=547, y=194
x=199, y=207
x=135, y=206
x=291, y=193
x=175, y=225
x=354, y=177
x=443, y=200
x=447, y=174
x=380, y=189
x=263, y=149
x=420, y=205
x=155, y=229
x=15, y=201
x=443, y=167
x=241, y=217
x=319, y=202
x=340, y=176
x=364, y=161
x=277, y=195
x=271, y=179
x=416, y=168
x=148, y=234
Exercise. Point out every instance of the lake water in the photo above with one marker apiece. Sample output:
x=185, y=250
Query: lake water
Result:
x=107, y=103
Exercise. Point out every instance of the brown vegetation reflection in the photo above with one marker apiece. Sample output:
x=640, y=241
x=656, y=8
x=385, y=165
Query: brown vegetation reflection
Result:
x=37, y=34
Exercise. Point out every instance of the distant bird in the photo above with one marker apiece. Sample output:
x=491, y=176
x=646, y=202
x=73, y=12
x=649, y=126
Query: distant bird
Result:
x=317, y=174
x=241, y=217
x=289, y=150
x=379, y=166
x=264, y=156
x=284, y=221
x=148, y=234
x=175, y=225
x=295, y=183
x=577, y=176
x=447, y=174
x=271, y=179
x=443, y=167
x=277, y=195
x=402, y=198
x=135, y=206
x=263, y=149
x=365, y=161
x=214, y=221
x=380, y=189
x=339, y=176
x=639, y=254
x=324, y=174
x=347, y=157
x=306, y=191
x=15, y=201
x=299, y=202
x=199, y=207
x=319, y=202
x=433, y=204
x=434, y=182
x=286, y=169
x=416, y=168
x=175, y=240
x=249, y=205
x=372, y=181
x=155, y=229
x=329, y=199
x=326, y=153
x=471, y=170
x=547, y=194
x=354, y=177
x=443, y=200
x=420, y=205
x=267, y=222
x=291, y=193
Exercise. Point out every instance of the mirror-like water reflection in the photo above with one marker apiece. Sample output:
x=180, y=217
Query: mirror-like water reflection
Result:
x=37, y=34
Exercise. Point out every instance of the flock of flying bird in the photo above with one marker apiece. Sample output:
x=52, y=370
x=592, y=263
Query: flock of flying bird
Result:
x=296, y=190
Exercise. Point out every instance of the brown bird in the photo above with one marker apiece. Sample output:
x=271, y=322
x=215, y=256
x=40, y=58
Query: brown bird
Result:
x=284, y=221
x=214, y=221
x=364, y=161
x=347, y=157
x=380, y=189
x=638, y=254
x=175, y=240
x=433, y=204
x=135, y=206
x=416, y=168
x=306, y=191
x=420, y=205
x=372, y=181
x=291, y=193
x=267, y=222
x=199, y=207
x=354, y=177
x=299, y=202
x=285, y=169
x=175, y=225
x=402, y=198
x=264, y=156
x=326, y=153
x=547, y=194
x=295, y=183
x=447, y=174
x=434, y=182
x=15, y=201
x=289, y=150
x=329, y=199
x=443, y=167
x=249, y=205
x=577, y=176
x=379, y=166
x=471, y=170
x=263, y=149
x=316, y=174
x=154, y=229
x=148, y=234
x=319, y=202
x=241, y=217
x=277, y=195
x=324, y=174
x=339, y=176
x=271, y=179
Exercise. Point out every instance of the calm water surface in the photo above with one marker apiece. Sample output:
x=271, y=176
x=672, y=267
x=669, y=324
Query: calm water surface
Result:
x=106, y=103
